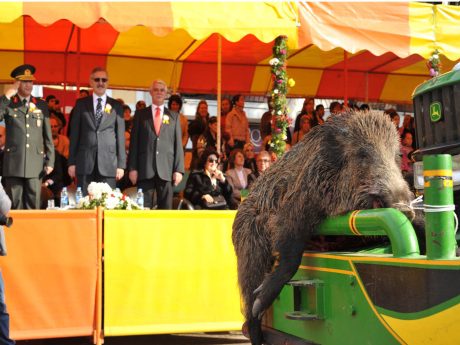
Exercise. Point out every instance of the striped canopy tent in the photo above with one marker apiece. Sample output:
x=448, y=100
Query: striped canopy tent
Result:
x=364, y=51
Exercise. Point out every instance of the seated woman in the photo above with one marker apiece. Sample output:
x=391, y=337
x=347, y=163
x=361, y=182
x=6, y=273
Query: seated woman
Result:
x=263, y=162
x=238, y=175
x=249, y=157
x=207, y=188
x=305, y=126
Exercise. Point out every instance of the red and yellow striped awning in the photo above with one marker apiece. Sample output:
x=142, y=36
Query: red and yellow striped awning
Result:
x=386, y=44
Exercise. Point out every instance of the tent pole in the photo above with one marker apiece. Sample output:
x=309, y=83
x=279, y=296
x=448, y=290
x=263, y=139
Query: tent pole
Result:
x=65, y=73
x=66, y=65
x=367, y=88
x=219, y=89
x=345, y=79
x=78, y=59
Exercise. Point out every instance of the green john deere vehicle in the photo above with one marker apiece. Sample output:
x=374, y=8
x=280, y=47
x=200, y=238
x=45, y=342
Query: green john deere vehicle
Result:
x=388, y=294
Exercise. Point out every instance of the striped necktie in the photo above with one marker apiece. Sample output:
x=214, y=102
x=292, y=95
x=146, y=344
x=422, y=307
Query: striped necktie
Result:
x=99, y=111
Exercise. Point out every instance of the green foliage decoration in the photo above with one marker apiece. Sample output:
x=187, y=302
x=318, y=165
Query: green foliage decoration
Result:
x=281, y=84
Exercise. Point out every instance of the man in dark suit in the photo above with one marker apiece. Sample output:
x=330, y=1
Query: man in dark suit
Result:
x=29, y=150
x=156, y=157
x=97, y=139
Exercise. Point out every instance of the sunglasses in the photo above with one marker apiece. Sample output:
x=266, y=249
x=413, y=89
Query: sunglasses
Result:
x=98, y=80
x=263, y=160
x=210, y=160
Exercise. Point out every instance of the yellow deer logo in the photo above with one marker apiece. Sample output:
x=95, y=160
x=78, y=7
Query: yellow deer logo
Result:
x=435, y=111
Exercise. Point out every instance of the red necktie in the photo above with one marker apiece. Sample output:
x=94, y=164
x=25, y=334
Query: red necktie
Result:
x=157, y=120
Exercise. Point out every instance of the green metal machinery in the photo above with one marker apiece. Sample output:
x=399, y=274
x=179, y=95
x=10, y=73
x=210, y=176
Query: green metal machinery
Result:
x=386, y=294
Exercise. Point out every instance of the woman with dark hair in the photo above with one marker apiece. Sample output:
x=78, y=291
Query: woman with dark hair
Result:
x=318, y=116
x=128, y=118
x=308, y=109
x=238, y=175
x=208, y=140
x=175, y=104
x=304, y=128
x=140, y=105
x=394, y=117
x=197, y=127
x=207, y=188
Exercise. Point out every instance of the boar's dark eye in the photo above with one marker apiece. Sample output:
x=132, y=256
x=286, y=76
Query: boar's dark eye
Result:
x=363, y=153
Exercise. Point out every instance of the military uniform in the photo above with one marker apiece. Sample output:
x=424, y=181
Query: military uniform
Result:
x=28, y=149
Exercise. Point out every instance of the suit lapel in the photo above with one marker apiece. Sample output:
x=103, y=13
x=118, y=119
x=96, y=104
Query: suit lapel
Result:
x=105, y=115
x=148, y=113
x=90, y=109
x=167, y=113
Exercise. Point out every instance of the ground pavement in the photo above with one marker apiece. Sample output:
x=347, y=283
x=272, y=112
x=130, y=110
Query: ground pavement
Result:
x=221, y=338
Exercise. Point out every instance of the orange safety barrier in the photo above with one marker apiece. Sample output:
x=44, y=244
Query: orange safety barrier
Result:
x=51, y=274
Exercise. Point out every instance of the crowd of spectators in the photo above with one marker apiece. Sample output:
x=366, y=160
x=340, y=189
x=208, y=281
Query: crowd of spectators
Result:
x=231, y=169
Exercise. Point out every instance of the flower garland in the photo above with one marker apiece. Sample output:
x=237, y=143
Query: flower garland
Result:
x=101, y=194
x=434, y=64
x=280, y=120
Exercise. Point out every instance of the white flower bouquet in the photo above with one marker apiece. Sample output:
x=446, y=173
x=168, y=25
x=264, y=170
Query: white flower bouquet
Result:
x=100, y=194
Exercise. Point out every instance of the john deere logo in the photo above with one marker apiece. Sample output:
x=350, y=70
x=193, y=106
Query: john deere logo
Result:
x=435, y=111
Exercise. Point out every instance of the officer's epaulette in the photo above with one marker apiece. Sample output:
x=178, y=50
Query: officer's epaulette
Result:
x=15, y=99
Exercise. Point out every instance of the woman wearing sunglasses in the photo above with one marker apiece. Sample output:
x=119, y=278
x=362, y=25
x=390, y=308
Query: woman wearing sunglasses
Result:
x=207, y=188
x=263, y=162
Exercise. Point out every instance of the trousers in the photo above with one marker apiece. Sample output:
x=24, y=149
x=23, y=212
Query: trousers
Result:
x=4, y=317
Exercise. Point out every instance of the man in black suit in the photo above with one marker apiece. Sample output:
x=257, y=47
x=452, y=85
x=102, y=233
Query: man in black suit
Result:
x=97, y=140
x=156, y=157
x=29, y=150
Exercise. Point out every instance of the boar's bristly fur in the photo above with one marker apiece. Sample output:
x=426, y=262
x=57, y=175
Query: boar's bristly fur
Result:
x=349, y=163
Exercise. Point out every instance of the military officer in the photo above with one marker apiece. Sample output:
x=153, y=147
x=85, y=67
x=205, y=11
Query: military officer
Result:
x=29, y=150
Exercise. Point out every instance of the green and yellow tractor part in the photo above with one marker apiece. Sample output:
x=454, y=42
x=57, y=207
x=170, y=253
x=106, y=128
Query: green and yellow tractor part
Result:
x=381, y=295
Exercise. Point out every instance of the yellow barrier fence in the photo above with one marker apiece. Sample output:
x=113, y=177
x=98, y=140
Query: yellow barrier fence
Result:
x=169, y=272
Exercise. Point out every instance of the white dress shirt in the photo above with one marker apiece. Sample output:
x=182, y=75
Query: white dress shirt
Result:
x=154, y=109
x=104, y=101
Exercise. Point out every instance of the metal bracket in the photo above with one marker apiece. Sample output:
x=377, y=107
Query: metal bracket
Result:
x=306, y=308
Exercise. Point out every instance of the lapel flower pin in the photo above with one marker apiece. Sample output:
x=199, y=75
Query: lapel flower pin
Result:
x=32, y=107
x=108, y=108
x=166, y=119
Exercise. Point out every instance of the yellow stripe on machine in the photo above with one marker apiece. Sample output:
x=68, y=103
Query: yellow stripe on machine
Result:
x=441, y=172
x=352, y=223
x=440, y=328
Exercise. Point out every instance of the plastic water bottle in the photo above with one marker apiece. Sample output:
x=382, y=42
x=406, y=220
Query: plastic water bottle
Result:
x=140, y=198
x=64, y=198
x=78, y=195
